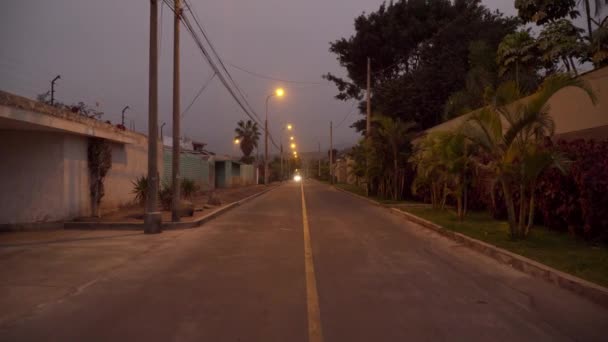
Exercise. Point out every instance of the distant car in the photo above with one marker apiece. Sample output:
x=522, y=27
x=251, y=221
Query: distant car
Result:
x=297, y=177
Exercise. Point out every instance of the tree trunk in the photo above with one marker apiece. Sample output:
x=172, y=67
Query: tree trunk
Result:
x=510, y=208
x=573, y=66
x=531, y=213
x=567, y=64
x=396, y=176
x=522, y=211
x=589, y=18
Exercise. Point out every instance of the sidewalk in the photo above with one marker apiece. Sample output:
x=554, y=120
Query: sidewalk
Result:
x=42, y=268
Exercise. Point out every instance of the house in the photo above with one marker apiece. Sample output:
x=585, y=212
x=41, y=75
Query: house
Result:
x=231, y=173
x=44, y=175
x=195, y=163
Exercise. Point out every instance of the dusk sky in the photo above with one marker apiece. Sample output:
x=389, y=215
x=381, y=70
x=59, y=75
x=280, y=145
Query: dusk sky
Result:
x=100, y=49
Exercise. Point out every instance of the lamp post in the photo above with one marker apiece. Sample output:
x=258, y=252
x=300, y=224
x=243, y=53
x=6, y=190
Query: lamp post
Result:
x=123, y=114
x=279, y=92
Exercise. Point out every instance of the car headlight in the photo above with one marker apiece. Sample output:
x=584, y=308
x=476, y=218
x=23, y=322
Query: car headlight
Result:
x=297, y=178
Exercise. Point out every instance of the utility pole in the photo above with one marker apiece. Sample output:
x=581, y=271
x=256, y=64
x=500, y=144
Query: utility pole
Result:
x=176, y=116
x=368, y=130
x=123, y=115
x=331, y=152
x=282, y=173
x=152, y=218
x=319, y=160
x=53, y=89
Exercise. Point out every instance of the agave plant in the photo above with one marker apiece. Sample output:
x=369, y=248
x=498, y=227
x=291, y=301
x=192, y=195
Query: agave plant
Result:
x=140, y=189
x=511, y=134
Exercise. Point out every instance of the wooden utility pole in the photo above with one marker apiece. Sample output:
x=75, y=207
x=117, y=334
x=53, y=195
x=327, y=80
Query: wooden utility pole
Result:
x=368, y=130
x=319, y=160
x=176, y=118
x=331, y=153
x=152, y=218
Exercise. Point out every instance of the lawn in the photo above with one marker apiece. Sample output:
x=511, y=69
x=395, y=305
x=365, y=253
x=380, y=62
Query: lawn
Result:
x=554, y=249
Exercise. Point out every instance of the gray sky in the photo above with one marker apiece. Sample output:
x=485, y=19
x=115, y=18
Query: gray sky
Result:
x=100, y=49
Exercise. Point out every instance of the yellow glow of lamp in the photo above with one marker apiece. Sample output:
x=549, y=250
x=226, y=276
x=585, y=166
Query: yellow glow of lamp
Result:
x=237, y=141
x=289, y=127
x=291, y=138
x=293, y=145
x=280, y=92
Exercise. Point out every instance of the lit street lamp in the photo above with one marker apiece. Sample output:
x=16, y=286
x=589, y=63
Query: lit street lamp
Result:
x=279, y=92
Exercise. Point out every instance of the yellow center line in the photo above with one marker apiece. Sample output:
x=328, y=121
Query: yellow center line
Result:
x=315, y=334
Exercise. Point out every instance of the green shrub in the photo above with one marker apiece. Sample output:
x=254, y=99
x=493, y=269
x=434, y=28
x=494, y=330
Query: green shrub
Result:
x=140, y=189
x=188, y=188
x=166, y=197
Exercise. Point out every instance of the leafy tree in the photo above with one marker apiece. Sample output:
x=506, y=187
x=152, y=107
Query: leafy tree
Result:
x=544, y=11
x=248, y=135
x=561, y=41
x=419, y=55
x=510, y=135
x=599, y=45
x=518, y=54
x=481, y=80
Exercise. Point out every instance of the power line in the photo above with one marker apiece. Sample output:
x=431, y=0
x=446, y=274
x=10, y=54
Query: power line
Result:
x=242, y=102
x=347, y=115
x=199, y=93
x=276, y=79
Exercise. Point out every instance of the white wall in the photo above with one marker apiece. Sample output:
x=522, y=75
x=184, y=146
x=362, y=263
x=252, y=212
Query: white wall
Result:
x=44, y=176
x=31, y=177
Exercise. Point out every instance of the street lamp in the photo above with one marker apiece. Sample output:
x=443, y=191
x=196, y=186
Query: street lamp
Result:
x=289, y=127
x=123, y=115
x=279, y=92
x=291, y=138
x=293, y=146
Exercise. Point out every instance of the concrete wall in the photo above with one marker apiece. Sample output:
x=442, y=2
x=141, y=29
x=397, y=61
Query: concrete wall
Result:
x=247, y=174
x=129, y=161
x=44, y=177
x=574, y=114
x=193, y=166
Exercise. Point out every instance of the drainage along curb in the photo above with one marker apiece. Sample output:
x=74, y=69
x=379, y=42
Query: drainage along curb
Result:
x=166, y=225
x=596, y=293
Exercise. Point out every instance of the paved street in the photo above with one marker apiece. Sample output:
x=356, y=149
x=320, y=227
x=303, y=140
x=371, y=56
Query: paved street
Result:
x=245, y=277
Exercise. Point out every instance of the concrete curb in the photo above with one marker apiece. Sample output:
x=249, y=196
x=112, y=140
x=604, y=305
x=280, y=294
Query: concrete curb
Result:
x=371, y=201
x=166, y=225
x=584, y=288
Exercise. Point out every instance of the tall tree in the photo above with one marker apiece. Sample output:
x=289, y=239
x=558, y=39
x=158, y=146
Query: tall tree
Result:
x=518, y=54
x=419, y=55
x=248, y=135
x=561, y=41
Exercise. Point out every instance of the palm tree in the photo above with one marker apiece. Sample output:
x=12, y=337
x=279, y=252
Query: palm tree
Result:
x=443, y=161
x=517, y=52
x=395, y=133
x=510, y=134
x=248, y=135
x=561, y=40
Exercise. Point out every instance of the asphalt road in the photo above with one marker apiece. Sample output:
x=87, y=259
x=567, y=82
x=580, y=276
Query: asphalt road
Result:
x=369, y=276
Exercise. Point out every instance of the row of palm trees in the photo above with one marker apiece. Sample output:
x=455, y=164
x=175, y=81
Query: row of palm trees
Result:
x=504, y=140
